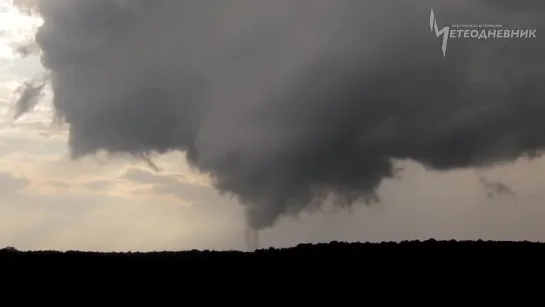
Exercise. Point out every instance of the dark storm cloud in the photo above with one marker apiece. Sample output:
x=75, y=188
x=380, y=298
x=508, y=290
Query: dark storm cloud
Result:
x=284, y=101
x=494, y=188
x=30, y=92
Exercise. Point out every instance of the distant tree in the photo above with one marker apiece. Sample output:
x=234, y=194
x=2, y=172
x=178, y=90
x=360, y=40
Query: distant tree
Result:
x=8, y=249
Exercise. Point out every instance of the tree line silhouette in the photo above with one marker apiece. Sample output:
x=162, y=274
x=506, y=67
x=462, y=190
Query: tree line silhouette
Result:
x=340, y=252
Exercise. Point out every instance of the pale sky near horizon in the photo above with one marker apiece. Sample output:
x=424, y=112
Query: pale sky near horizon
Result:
x=50, y=202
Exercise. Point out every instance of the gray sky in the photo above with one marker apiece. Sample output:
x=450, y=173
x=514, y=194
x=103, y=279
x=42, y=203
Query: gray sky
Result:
x=48, y=201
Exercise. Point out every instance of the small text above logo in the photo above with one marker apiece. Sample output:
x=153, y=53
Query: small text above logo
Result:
x=476, y=31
